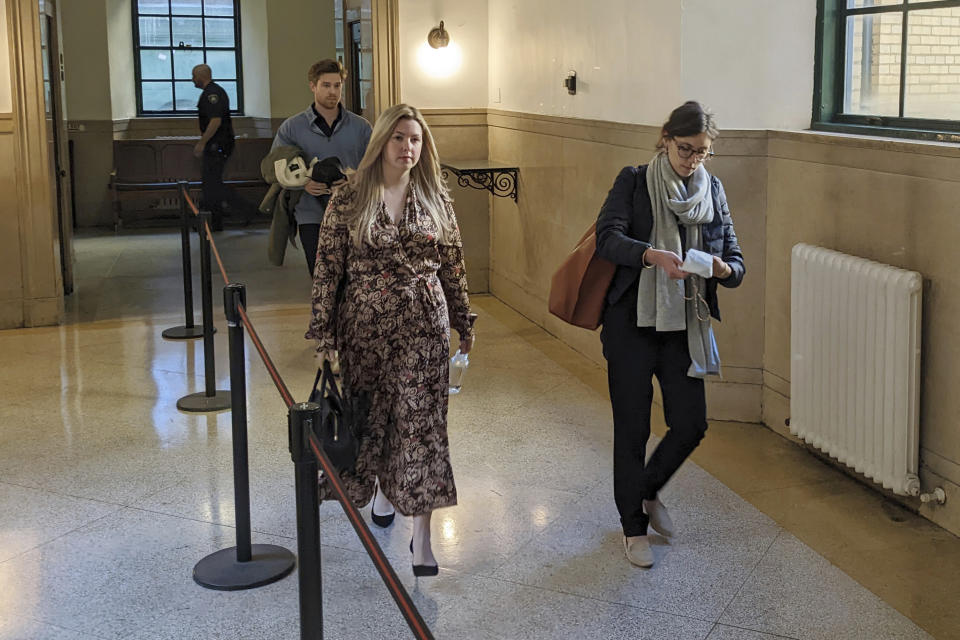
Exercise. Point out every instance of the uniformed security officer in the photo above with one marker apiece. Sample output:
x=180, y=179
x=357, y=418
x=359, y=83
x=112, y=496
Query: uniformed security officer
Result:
x=215, y=146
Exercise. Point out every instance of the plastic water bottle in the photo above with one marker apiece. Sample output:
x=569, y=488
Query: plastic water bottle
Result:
x=458, y=366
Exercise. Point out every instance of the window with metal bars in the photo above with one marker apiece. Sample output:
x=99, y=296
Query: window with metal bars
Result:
x=171, y=37
x=889, y=67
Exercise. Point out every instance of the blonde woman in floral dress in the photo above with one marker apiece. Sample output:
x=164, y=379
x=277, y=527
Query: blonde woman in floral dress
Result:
x=390, y=239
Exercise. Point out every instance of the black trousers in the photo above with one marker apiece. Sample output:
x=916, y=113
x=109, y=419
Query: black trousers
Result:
x=634, y=355
x=215, y=192
x=309, y=237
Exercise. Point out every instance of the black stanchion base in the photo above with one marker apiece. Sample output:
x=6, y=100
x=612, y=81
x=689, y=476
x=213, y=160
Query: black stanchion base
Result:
x=200, y=401
x=183, y=332
x=221, y=571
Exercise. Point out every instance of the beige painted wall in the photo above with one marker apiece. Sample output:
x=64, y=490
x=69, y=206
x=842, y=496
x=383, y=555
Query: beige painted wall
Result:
x=637, y=59
x=299, y=33
x=89, y=109
x=626, y=54
x=87, y=85
x=721, y=66
x=466, y=23
x=255, y=58
x=123, y=97
x=462, y=135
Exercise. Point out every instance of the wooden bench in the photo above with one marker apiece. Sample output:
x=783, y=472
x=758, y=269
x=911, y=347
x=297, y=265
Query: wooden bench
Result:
x=146, y=172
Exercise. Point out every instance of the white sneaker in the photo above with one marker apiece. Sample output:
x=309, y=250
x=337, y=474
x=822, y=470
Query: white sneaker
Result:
x=638, y=551
x=659, y=518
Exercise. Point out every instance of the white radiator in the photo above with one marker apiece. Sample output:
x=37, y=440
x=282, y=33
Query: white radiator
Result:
x=855, y=363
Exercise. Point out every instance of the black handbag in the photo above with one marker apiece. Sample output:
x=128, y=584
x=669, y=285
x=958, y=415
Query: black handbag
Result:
x=342, y=418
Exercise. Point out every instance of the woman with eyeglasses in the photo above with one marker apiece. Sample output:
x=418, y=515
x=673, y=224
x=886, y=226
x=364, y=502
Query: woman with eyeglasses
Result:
x=657, y=316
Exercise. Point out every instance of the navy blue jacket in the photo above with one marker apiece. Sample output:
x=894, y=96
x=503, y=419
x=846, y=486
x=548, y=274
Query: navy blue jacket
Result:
x=626, y=221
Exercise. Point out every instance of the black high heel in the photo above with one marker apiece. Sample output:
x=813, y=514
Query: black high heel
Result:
x=424, y=570
x=381, y=521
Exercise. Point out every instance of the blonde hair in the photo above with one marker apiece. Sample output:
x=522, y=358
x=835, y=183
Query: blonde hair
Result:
x=425, y=179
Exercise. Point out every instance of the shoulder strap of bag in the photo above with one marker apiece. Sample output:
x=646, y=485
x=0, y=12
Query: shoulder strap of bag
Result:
x=316, y=381
x=325, y=380
x=328, y=384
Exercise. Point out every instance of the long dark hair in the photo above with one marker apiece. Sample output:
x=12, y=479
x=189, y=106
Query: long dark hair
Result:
x=689, y=119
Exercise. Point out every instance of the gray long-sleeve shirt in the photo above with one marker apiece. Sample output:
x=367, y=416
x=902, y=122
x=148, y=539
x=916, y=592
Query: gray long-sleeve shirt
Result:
x=348, y=142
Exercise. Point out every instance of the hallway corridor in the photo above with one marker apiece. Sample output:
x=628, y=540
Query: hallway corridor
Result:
x=109, y=495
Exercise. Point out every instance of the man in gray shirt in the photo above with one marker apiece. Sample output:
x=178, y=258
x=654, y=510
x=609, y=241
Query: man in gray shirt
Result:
x=323, y=130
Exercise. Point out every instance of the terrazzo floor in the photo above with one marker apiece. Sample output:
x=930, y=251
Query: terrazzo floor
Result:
x=109, y=495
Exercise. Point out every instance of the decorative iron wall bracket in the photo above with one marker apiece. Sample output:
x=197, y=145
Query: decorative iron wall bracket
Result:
x=499, y=180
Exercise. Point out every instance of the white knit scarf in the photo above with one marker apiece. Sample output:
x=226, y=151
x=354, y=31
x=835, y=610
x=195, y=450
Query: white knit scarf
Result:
x=675, y=305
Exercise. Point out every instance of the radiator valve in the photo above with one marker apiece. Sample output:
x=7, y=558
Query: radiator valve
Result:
x=938, y=495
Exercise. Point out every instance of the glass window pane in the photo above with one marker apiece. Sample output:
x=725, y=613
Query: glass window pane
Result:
x=154, y=32
x=174, y=37
x=184, y=60
x=155, y=64
x=160, y=7
x=223, y=64
x=219, y=32
x=933, y=64
x=186, y=7
x=872, y=65
x=366, y=93
x=157, y=96
x=189, y=31
x=231, y=89
x=858, y=4
x=187, y=96
x=218, y=7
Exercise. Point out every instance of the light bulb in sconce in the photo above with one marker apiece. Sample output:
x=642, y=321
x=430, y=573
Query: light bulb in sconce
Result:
x=438, y=37
x=439, y=56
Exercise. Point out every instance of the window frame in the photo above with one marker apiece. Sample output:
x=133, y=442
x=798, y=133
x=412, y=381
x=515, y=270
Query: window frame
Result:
x=829, y=59
x=236, y=110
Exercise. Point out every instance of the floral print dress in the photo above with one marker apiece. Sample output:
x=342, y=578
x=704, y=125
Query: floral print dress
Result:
x=401, y=295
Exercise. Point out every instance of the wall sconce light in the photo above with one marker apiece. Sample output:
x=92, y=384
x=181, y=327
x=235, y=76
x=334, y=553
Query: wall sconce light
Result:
x=438, y=37
x=440, y=57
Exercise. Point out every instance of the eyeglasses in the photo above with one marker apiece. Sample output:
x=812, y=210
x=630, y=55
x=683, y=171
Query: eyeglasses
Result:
x=698, y=300
x=685, y=151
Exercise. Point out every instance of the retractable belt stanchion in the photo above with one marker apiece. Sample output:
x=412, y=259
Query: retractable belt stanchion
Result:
x=302, y=419
x=246, y=565
x=211, y=399
x=189, y=330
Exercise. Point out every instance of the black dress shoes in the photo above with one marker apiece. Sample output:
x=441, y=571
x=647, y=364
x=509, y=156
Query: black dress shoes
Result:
x=424, y=570
x=380, y=521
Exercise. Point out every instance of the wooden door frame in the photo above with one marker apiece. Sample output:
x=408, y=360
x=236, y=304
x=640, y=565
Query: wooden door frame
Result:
x=39, y=257
x=386, y=54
